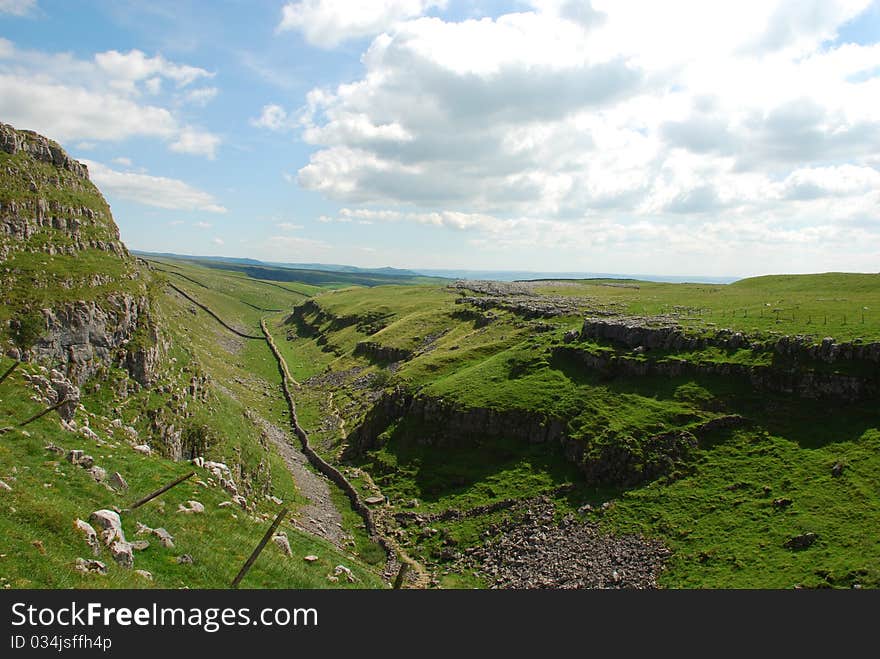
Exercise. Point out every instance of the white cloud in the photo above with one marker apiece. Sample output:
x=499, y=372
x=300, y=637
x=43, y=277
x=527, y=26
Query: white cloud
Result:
x=175, y=223
x=203, y=225
x=201, y=96
x=135, y=66
x=151, y=190
x=125, y=162
x=197, y=142
x=272, y=117
x=327, y=23
x=17, y=7
x=289, y=226
x=217, y=241
x=98, y=99
x=620, y=121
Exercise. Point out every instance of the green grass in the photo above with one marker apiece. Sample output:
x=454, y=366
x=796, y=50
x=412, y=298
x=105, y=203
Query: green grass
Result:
x=725, y=531
x=219, y=540
x=840, y=305
x=720, y=537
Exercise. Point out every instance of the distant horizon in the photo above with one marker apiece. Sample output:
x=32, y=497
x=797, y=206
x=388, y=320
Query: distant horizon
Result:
x=500, y=274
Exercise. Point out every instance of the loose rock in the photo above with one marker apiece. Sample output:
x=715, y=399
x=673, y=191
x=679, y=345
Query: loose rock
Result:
x=91, y=536
x=87, y=566
x=110, y=524
x=283, y=543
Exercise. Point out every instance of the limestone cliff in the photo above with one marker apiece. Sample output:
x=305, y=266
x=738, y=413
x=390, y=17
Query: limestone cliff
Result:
x=72, y=294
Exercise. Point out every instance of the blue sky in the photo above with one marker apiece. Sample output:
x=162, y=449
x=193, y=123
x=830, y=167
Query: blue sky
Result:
x=677, y=138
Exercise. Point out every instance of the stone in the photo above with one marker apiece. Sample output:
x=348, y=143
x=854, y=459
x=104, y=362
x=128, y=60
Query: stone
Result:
x=224, y=504
x=837, y=469
x=89, y=566
x=87, y=462
x=283, y=543
x=98, y=473
x=782, y=502
x=74, y=456
x=341, y=569
x=91, y=535
x=801, y=541
x=185, y=559
x=117, y=481
x=311, y=558
x=88, y=433
x=139, y=545
x=4, y=487
x=143, y=449
x=122, y=553
x=240, y=500
x=192, y=507
x=373, y=500
x=165, y=538
x=111, y=525
x=145, y=574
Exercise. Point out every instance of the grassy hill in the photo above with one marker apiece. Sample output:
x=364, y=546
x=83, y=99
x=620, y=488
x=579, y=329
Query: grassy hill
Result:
x=726, y=507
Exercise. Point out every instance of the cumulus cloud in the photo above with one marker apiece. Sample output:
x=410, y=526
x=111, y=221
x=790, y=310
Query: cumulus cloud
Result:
x=151, y=190
x=327, y=23
x=134, y=66
x=17, y=7
x=99, y=99
x=570, y=115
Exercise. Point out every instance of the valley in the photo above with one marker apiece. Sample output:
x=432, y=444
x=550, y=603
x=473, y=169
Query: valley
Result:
x=551, y=433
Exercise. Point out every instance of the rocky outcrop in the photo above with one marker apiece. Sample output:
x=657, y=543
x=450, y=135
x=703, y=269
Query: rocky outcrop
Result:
x=380, y=354
x=665, y=334
x=13, y=141
x=801, y=382
x=81, y=319
x=617, y=460
x=86, y=336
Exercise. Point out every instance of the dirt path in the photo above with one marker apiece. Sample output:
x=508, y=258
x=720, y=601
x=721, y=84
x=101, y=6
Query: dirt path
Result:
x=320, y=515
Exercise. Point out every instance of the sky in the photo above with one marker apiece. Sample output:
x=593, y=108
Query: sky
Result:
x=673, y=138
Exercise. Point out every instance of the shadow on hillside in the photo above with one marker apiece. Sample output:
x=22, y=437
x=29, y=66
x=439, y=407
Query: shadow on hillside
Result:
x=492, y=467
x=811, y=423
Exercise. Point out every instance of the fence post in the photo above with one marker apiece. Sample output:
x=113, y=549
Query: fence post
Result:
x=15, y=366
x=161, y=490
x=250, y=561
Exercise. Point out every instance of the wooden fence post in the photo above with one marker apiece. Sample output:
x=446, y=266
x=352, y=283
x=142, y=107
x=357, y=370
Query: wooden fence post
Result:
x=44, y=412
x=161, y=490
x=250, y=561
x=15, y=366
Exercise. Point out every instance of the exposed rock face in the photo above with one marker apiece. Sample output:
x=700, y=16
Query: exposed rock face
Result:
x=48, y=192
x=85, y=336
x=40, y=148
x=92, y=317
x=378, y=353
x=658, y=333
x=442, y=423
x=802, y=382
